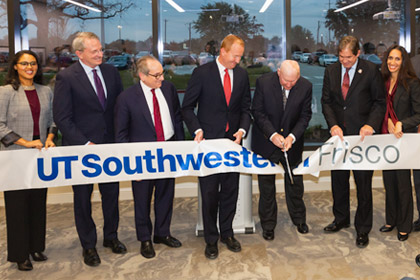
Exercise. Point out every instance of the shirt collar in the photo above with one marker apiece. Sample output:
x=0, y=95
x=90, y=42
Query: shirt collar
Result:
x=353, y=68
x=220, y=66
x=145, y=87
x=88, y=68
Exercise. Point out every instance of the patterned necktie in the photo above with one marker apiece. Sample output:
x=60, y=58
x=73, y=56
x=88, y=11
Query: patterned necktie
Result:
x=99, y=89
x=283, y=91
x=346, y=84
x=158, y=120
x=228, y=90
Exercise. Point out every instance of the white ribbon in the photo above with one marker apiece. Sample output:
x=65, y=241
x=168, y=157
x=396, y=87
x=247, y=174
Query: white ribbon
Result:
x=72, y=165
x=377, y=152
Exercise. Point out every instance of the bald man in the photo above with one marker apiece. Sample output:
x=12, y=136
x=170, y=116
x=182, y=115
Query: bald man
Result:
x=282, y=109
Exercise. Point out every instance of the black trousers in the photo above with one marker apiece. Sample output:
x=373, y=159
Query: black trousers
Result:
x=85, y=225
x=164, y=196
x=416, y=177
x=219, y=193
x=267, y=207
x=26, y=222
x=398, y=199
x=341, y=197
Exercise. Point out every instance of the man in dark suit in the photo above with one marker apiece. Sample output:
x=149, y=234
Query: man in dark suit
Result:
x=83, y=108
x=146, y=112
x=353, y=103
x=415, y=61
x=220, y=89
x=282, y=110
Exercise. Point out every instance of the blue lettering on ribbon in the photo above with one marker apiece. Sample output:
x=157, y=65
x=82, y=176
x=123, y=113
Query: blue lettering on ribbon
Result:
x=306, y=162
x=86, y=162
x=54, y=167
x=118, y=166
x=161, y=158
x=255, y=160
x=128, y=170
x=189, y=159
x=232, y=159
x=210, y=157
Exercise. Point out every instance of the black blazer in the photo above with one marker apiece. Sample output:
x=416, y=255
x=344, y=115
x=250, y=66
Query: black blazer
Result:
x=77, y=111
x=407, y=105
x=269, y=115
x=205, y=89
x=365, y=102
x=133, y=119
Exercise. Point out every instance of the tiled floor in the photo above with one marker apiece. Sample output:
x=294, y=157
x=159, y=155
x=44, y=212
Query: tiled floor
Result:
x=291, y=255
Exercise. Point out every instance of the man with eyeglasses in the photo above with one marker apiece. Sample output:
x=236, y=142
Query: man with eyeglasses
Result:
x=220, y=91
x=147, y=112
x=84, y=97
x=353, y=103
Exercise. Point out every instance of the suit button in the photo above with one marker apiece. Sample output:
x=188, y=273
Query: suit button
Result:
x=281, y=130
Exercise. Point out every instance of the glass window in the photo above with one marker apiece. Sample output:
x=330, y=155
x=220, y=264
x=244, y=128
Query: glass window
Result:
x=4, y=41
x=192, y=32
x=316, y=29
x=124, y=27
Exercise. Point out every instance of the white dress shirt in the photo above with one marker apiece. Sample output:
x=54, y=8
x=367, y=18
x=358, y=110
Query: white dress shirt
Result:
x=89, y=73
x=168, y=127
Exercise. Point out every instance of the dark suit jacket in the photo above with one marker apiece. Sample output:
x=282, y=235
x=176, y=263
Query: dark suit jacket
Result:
x=205, y=88
x=365, y=102
x=133, y=120
x=77, y=110
x=407, y=105
x=269, y=115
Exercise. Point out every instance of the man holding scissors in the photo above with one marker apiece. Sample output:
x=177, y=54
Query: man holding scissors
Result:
x=282, y=110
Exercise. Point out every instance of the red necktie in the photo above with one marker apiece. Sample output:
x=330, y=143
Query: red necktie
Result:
x=158, y=120
x=346, y=84
x=228, y=90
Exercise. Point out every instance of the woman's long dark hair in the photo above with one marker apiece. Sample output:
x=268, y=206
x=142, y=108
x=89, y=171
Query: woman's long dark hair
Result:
x=12, y=77
x=406, y=72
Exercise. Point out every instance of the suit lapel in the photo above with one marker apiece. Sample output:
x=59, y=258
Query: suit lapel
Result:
x=83, y=79
x=144, y=109
x=167, y=94
x=357, y=76
x=216, y=74
x=107, y=79
x=337, y=77
x=277, y=90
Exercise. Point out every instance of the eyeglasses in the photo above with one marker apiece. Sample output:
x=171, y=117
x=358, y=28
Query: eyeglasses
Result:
x=158, y=75
x=26, y=63
x=95, y=52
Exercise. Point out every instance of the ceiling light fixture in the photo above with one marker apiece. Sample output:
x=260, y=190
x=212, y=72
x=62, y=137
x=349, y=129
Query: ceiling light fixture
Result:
x=83, y=6
x=266, y=5
x=351, y=6
x=175, y=6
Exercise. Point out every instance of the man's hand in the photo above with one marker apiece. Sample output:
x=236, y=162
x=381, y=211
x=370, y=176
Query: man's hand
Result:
x=278, y=140
x=336, y=130
x=366, y=130
x=199, y=136
x=288, y=142
x=238, y=135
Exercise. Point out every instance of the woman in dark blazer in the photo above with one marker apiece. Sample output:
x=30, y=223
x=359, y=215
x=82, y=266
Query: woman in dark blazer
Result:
x=25, y=122
x=402, y=115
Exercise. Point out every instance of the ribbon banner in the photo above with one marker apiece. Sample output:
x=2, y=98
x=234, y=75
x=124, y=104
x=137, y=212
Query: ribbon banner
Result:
x=72, y=165
x=377, y=152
